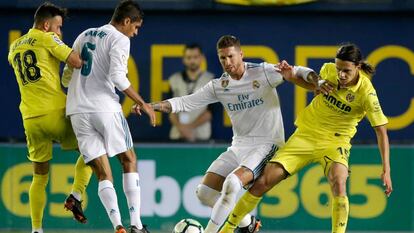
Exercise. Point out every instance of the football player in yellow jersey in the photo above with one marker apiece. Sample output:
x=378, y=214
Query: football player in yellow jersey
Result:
x=323, y=134
x=35, y=58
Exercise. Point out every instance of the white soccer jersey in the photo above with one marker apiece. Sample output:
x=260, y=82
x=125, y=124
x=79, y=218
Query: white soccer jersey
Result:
x=105, y=51
x=252, y=102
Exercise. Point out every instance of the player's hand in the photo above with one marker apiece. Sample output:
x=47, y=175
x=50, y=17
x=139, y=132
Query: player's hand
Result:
x=387, y=183
x=150, y=112
x=324, y=87
x=285, y=70
x=136, y=109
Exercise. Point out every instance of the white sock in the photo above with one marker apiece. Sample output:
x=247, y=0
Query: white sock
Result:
x=37, y=230
x=77, y=195
x=246, y=221
x=132, y=192
x=107, y=194
x=225, y=204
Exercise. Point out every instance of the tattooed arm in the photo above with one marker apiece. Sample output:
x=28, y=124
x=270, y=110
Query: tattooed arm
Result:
x=163, y=106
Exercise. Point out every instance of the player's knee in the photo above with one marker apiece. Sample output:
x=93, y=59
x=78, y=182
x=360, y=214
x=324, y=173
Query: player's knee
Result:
x=41, y=168
x=264, y=183
x=231, y=185
x=207, y=195
x=260, y=185
x=128, y=162
x=338, y=185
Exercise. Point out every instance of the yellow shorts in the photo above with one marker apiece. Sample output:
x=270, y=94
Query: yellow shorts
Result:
x=304, y=148
x=43, y=130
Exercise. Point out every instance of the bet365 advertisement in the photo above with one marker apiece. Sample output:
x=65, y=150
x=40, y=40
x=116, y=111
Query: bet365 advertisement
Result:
x=169, y=176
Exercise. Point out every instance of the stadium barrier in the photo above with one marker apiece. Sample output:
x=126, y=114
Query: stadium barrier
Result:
x=169, y=175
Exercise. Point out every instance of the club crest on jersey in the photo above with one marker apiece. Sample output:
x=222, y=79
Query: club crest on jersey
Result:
x=224, y=83
x=350, y=97
x=256, y=84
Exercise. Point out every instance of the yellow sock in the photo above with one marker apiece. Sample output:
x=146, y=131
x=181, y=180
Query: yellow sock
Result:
x=37, y=199
x=83, y=174
x=340, y=210
x=246, y=204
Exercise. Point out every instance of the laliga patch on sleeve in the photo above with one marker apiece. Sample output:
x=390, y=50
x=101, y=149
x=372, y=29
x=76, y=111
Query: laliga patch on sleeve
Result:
x=124, y=60
x=57, y=40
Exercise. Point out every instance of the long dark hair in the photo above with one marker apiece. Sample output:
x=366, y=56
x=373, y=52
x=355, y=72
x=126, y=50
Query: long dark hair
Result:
x=351, y=52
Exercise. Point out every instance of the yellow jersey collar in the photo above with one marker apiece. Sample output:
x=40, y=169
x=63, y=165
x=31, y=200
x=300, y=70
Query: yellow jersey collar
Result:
x=38, y=31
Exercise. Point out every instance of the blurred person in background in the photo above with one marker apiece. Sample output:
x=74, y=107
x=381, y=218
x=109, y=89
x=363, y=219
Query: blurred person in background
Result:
x=96, y=114
x=35, y=58
x=195, y=125
x=324, y=131
x=248, y=93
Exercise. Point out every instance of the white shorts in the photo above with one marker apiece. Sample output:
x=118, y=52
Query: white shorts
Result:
x=101, y=133
x=252, y=156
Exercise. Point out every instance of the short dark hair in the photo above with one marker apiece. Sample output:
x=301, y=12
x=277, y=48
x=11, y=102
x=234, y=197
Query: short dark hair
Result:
x=48, y=10
x=127, y=9
x=350, y=52
x=228, y=41
x=193, y=46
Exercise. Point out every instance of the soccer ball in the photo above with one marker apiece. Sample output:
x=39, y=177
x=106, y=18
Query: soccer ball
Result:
x=188, y=225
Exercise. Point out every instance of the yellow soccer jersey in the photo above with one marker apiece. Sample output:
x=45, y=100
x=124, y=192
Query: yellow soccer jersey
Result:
x=338, y=113
x=35, y=58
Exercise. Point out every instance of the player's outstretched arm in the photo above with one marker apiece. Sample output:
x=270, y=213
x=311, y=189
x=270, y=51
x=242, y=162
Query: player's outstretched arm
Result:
x=297, y=75
x=304, y=77
x=74, y=60
x=384, y=148
x=140, y=104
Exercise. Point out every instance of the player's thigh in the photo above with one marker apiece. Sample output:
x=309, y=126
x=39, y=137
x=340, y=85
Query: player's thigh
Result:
x=90, y=141
x=61, y=130
x=213, y=180
x=39, y=142
x=333, y=152
x=115, y=131
x=255, y=157
x=220, y=168
x=296, y=153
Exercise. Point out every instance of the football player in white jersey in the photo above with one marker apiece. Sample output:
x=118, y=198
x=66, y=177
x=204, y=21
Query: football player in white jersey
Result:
x=96, y=115
x=247, y=92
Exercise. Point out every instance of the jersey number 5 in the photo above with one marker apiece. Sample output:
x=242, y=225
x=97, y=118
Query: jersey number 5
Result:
x=87, y=57
x=28, y=71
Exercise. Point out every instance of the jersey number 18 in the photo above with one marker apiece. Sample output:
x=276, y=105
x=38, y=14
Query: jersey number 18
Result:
x=28, y=70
